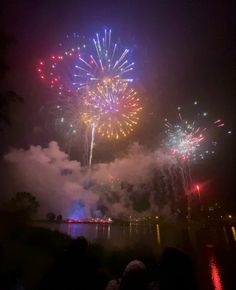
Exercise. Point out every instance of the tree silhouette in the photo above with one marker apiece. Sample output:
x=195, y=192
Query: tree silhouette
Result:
x=59, y=218
x=51, y=216
x=23, y=203
x=7, y=97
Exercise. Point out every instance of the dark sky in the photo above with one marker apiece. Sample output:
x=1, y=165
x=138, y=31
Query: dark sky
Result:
x=184, y=51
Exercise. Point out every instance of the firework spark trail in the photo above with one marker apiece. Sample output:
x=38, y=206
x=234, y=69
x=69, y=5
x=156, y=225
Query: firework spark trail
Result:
x=86, y=146
x=92, y=144
x=166, y=183
x=172, y=181
x=186, y=187
x=189, y=174
x=177, y=175
x=184, y=181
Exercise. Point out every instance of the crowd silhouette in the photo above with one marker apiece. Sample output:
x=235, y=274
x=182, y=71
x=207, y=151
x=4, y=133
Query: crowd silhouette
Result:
x=80, y=267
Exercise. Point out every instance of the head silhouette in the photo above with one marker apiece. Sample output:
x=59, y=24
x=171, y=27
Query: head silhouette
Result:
x=134, y=276
x=176, y=271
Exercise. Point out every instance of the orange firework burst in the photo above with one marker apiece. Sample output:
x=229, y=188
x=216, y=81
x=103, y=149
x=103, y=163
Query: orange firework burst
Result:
x=113, y=108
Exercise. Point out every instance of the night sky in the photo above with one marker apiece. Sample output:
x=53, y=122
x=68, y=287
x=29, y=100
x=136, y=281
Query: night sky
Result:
x=184, y=51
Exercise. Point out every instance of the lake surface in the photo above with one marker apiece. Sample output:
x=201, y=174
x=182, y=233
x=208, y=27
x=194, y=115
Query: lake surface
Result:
x=213, y=248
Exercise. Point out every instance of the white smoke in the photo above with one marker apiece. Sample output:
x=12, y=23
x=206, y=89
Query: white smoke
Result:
x=60, y=184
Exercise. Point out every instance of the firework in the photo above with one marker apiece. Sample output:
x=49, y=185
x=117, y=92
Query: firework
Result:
x=81, y=63
x=113, y=108
x=90, y=78
x=57, y=73
x=184, y=139
x=59, y=68
x=189, y=140
x=105, y=59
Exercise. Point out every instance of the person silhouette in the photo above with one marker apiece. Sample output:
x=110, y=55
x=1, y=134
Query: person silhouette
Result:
x=176, y=271
x=134, y=277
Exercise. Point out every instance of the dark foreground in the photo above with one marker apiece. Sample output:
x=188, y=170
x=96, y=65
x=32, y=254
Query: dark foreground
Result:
x=33, y=257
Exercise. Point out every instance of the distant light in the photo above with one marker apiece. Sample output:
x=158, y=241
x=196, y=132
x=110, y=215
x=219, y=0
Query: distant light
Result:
x=178, y=108
x=157, y=217
x=229, y=132
x=229, y=216
x=205, y=114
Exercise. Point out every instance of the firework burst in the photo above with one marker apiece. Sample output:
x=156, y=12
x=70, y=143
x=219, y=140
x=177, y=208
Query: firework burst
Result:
x=184, y=139
x=113, y=108
x=190, y=140
x=59, y=68
x=106, y=59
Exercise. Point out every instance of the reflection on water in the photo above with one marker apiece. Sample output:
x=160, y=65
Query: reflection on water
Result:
x=215, y=271
x=219, y=242
x=109, y=232
x=226, y=238
x=158, y=235
x=91, y=232
x=234, y=232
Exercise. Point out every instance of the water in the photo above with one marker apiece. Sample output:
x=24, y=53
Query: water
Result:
x=212, y=248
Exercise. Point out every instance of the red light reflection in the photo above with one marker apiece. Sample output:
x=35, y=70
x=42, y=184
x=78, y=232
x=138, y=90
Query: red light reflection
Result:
x=215, y=272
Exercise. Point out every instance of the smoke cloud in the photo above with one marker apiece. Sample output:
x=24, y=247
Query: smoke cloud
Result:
x=132, y=185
